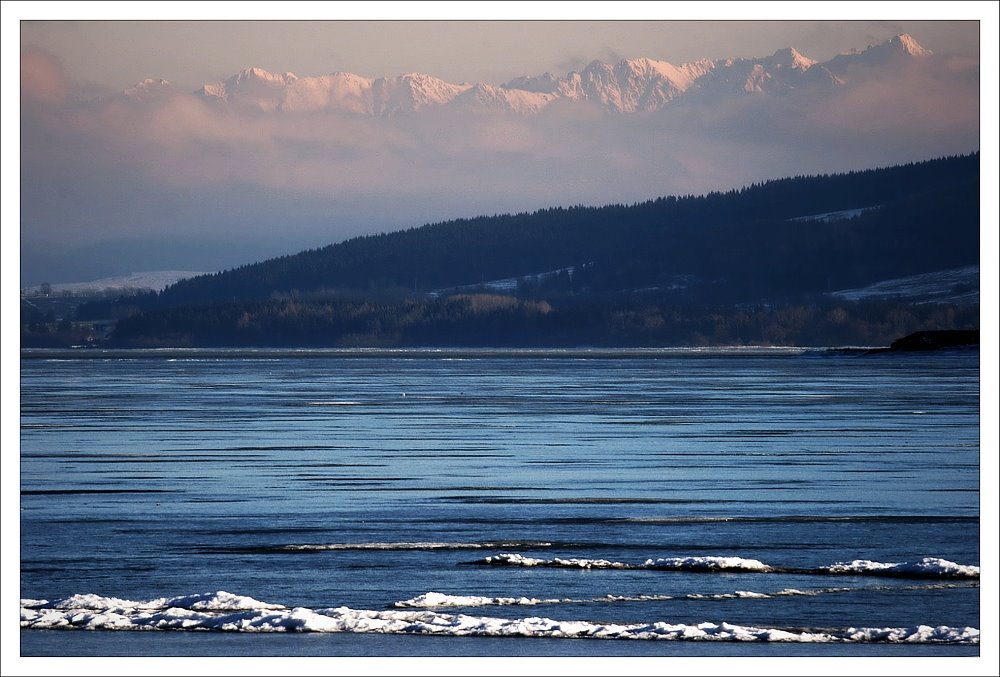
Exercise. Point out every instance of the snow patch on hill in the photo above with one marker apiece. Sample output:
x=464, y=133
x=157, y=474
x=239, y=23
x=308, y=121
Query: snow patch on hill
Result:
x=826, y=217
x=154, y=280
x=955, y=285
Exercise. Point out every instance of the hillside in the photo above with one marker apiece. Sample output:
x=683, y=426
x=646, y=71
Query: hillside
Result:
x=781, y=243
x=761, y=235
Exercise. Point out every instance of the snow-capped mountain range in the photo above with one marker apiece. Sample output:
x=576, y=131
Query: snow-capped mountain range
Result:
x=631, y=85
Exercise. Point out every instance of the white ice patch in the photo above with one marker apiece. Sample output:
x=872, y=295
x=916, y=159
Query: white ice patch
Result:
x=405, y=545
x=631, y=598
x=739, y=594
x=672, y=563
x=928, y=566
x=707, y=564
x=750, y=594
x=215, y=612
x=209, y=601
x=514, y=559
x=589, y=563
x=334, y=403
x=415, y=545
x=430, y=600
x=215, y=601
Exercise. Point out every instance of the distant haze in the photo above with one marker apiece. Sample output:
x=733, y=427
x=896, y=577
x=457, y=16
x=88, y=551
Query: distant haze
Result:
x=113, y=184
x=117, y=54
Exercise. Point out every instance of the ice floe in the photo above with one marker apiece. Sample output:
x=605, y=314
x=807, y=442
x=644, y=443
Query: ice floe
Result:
x=223, y=611
x=928, y=567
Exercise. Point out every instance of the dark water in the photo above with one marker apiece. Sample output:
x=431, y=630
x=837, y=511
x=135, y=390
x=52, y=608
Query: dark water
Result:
x=364, y=480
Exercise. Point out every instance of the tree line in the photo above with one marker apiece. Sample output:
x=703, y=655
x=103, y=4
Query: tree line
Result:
x=504, y=321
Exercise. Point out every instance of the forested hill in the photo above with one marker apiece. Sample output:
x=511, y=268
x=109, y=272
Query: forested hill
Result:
x=734, y=246
x=786, y=262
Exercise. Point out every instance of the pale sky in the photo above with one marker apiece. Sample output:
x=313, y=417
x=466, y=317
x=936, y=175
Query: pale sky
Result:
x=117, y=54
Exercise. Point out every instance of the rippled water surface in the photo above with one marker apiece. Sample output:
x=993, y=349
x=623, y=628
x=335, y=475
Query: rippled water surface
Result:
x=706, y=498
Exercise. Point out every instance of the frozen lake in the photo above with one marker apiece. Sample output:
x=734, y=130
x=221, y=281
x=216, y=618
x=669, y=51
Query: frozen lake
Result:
x=385, y=503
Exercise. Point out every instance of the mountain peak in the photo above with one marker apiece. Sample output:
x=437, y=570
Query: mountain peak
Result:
x=149, y=87
x=791, y=58
x=255, y=73
x=906, y=43
x=897, y=50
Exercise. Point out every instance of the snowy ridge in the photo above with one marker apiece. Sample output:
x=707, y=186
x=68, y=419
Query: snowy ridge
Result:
x=899, y=48
x=215, y=611
x=255, y=88
x=629, y=86
x=493, y=98
x=928, y=567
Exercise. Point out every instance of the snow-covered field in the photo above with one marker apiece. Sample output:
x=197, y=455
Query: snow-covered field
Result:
x=155, y=280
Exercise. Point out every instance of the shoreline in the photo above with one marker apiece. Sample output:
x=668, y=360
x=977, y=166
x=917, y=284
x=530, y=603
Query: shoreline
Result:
x=61, y=643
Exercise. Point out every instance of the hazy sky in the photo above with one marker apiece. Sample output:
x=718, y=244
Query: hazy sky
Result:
x=108, y=189
x=117, y=54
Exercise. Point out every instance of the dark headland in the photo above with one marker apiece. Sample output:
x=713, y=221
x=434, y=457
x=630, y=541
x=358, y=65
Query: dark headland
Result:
x=934, y=340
